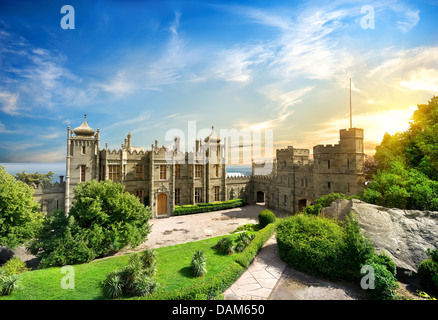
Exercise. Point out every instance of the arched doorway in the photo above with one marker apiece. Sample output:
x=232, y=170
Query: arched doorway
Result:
x=162, y=204
x=260, y=197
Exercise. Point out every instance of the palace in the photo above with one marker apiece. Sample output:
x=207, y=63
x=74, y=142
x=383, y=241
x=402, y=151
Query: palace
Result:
x=163, y=178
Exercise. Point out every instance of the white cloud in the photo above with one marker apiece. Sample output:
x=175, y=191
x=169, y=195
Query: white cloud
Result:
x=9, y=103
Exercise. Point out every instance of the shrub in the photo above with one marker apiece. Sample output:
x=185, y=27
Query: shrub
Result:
x=14, y=266
x=199, y=263
x=226, y=245
x=323, y=202
x=312, y=244
x=385, y=283
x=428, y=271
x=266, y=217
x=133, y=280
x=8, y=283
x=248, y=254
x=206, y=207
x=103, y=219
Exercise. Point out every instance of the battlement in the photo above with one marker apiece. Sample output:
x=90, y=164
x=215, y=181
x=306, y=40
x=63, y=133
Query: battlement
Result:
x=48, y=188
x=326, y=148
x=238, y=178
x=351, y=133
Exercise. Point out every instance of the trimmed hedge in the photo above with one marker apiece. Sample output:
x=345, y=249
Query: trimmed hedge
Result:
x=248, y=255
x=204, y=290
x=206, y=207
x=266, y=217
x=223, y=280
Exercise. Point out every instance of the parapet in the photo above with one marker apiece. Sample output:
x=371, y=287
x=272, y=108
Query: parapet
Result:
x=351, y=133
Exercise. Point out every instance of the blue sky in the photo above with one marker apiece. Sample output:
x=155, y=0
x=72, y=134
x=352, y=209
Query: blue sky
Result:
x=146, y=67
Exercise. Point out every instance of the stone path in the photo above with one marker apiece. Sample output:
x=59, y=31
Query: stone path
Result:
x=257, y=282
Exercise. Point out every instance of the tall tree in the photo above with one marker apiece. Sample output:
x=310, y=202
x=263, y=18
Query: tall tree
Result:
x=19, y=212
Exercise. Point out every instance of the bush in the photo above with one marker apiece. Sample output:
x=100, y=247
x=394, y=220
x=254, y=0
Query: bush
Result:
x=385, y=283
x=136, y=279
x=8, y=283
x=103, y=219
x=312, y=244
x=206, y=207
x=225, y=245
x=323, y=202
x=266, y=217
x=247, y=255
x=199, y=263
x=428, y=271
x=14, y=266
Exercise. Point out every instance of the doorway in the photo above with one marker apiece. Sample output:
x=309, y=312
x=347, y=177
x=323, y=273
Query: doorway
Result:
x=162, y=204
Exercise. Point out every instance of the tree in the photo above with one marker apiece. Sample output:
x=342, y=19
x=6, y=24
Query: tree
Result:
x=19, y=212
x=34, y=178
x=406, y=170
x=103, y=219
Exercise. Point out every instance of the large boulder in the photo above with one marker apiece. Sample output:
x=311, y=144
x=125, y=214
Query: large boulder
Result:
x=403, y=234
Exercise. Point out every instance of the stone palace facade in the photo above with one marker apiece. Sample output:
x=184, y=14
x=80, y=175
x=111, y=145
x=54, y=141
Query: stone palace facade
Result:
x=163, y=178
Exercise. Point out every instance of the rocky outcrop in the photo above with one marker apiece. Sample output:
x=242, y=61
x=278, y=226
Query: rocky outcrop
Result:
x=403, y=234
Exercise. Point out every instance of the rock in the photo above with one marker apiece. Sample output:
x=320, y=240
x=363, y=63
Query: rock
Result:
x=403, y=234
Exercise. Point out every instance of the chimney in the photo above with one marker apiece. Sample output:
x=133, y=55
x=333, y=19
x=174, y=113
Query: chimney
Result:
x=177, y=143
x=156, y=144
x=197, y=145
x=61, y=179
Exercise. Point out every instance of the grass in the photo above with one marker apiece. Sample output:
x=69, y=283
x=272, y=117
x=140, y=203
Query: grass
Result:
x=173, y=272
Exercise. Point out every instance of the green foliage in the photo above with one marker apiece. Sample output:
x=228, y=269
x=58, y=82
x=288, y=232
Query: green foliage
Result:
x=20, y=217
x=136, y=279
x=385, y=283
x=14, y=266
x=103, y=219
x=322, y=202
x=248, y=227
x=34, y=178
x=266, y=217
x=206, y=207
x=322, y=247
x=199, y=263
x=207, y=289
x=225, y=245
x=8, y=283
x=407, y=164
x=247, y=255
x=428, y=271
x=312, y=244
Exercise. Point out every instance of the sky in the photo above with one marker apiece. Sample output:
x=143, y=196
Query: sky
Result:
x=147, y=67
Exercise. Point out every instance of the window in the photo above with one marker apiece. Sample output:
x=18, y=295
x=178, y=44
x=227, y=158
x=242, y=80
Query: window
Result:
x=139, y=171
x=139, y=195
x=306, y=183
x=217, y=170
x=198, y=195
x=329, y=185
x=217, y=190
x=163, y=172
x=302, y=182
x=114, y=172
x=328, y=164
x=177, y=196
x=348, y=164
x=348, y=187
x=285, y=200
x=83, y=149
x=82, y=173
x=198, y=171
x=177, y=171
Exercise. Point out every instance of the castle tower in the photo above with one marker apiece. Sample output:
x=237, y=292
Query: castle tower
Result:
x=82, y=158
x=339, y=168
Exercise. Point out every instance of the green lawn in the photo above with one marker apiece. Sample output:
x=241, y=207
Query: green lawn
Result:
x=173, y=273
